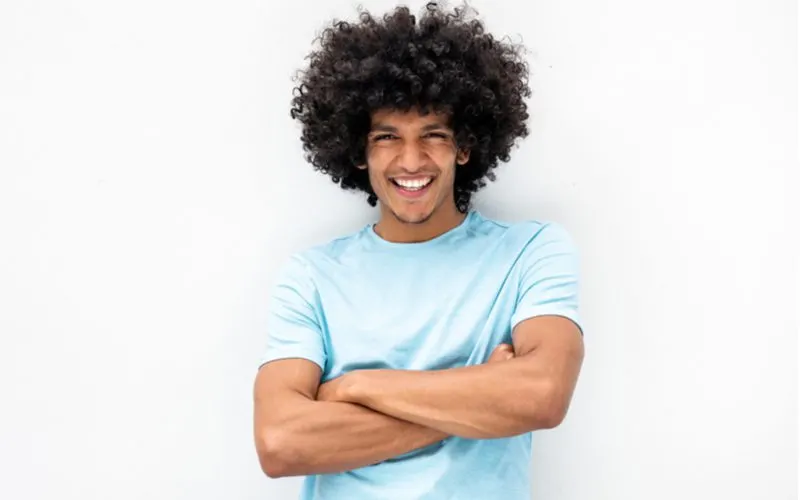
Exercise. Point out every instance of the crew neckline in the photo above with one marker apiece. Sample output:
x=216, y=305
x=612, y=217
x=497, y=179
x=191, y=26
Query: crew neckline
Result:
x=376, y=239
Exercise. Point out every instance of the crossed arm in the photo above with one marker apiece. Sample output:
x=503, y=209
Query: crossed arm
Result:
x=365, y=417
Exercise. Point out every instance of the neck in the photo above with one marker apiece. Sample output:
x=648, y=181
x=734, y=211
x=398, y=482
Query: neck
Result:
x=395, y=230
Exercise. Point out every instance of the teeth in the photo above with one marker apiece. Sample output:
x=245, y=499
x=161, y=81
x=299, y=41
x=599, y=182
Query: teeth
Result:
x=413, y=184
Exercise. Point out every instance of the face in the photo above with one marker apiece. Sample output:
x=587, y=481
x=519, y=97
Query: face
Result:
x=411, y=161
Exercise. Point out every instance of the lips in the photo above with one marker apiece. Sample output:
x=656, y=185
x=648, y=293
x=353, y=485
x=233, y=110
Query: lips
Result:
x=412, y=187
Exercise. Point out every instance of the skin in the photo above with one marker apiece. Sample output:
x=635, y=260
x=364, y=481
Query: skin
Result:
x=413, y=146
x=529, y=392
x=367, y=416
x=297, y=433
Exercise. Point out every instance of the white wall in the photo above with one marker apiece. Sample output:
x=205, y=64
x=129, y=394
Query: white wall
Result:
x=151, y=180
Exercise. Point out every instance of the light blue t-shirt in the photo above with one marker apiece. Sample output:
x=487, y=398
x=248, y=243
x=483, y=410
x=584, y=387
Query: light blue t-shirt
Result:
x=362, y=302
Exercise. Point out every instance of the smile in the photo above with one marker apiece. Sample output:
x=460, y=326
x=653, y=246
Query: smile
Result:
x=412, y=187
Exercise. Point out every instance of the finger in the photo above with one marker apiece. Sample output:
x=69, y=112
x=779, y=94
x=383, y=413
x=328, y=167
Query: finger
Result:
x=502, y=352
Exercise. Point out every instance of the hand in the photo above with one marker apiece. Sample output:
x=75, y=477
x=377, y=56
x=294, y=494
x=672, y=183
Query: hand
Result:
x=503, y=352
x=336, y=389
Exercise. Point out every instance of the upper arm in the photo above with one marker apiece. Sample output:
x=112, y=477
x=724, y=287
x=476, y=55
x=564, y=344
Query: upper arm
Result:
x=294, y=357
x=548, y=277
x=283, y=390
x=546, y=323
x=278, y=383
x=556, y=345
x=286, y=376
x=291, y=365
x=293, y=327
x=553, y=348
x=279, y=387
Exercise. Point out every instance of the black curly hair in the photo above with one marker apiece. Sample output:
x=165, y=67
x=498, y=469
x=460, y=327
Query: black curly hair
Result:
x=441, y=61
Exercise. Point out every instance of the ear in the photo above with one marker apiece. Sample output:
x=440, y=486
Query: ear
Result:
x=462, y=157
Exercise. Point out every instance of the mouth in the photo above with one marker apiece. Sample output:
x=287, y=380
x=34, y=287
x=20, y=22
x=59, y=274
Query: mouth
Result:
x=412, y=187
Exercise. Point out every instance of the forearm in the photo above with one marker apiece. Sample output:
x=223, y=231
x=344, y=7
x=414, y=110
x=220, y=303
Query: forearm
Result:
x=320, y=437
x=484, y=401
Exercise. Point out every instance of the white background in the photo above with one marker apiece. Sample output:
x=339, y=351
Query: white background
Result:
x=151, y=181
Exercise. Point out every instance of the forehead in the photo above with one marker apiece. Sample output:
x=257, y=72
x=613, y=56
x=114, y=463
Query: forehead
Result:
x=409, y=118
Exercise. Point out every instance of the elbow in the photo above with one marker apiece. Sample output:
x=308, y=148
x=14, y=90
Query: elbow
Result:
x=550, y=418
x=549, y=410
x=275, y=455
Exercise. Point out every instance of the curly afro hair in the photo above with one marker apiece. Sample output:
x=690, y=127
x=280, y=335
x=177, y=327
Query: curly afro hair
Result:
x=442, y=61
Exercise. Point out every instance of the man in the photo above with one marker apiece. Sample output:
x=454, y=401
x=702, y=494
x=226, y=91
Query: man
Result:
x=413, y=358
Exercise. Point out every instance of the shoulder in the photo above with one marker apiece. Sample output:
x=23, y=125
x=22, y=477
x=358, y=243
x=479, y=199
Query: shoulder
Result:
x=528, y=234
x=305, y=263
x=334, y=251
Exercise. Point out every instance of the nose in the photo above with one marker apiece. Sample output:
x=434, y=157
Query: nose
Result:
x=412, y=157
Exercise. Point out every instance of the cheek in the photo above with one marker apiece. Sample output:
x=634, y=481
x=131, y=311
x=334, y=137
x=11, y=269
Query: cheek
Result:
x=377, y=179
x=443, y=154
x=378, y=160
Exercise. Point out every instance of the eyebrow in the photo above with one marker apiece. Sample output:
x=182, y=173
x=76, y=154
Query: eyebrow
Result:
x=380, y=127
x=435, y=126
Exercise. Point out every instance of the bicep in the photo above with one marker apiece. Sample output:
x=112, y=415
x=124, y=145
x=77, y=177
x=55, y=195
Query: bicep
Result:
x=292, y=364
x=281, y=382
x=548, y=336
x=297, y=375
x=283, y=391
x=553, y=345
x=546, y=321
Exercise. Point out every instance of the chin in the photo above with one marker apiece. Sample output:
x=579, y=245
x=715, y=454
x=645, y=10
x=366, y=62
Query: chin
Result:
x=413, y=216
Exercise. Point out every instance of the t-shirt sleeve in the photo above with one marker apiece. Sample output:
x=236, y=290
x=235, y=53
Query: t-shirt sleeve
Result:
x=548, y=277
x=293, y=326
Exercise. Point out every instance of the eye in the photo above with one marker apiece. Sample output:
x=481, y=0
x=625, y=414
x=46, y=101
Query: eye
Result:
x=383, y=137
x=437, y=135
